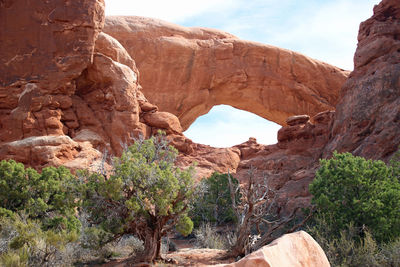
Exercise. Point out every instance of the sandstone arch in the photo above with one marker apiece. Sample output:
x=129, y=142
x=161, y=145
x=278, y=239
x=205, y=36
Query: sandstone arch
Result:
x=186, y=71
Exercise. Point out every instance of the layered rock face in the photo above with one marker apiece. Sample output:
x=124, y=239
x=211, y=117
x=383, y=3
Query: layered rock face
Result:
x=186, y=71
x=367, y=120
x=290, y=164
x=296, y=250
x=67, y=91
x=44, y=47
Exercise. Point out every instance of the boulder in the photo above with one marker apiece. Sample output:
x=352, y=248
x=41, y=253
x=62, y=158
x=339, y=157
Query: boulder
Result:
x=297, y=120
x=163, y=120
x=108, y=46
x=297, y=249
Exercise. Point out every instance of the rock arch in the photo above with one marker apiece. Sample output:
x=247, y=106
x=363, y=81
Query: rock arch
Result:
x=186, y=71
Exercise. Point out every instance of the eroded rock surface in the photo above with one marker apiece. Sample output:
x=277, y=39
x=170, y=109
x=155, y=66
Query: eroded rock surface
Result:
x=290, y=164
x=296, y=250
x=367, y=119
x=186, y=71
x=45, y=46
x=67, y=96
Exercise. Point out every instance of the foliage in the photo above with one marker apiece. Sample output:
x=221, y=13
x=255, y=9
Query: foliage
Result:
x=351, y=249
x=49, y=196
x=144, y=195
x=215, y=205
x=37, y=213
x=364, y=193
x=208, y=237
x=25, y=243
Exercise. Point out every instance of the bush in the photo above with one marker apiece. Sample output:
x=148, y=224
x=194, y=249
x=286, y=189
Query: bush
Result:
x=365, y=193
x=215, y=206
x=50, y=197
x=24, y=243
x=349, y=249
x=207, y=237
x=37, y=214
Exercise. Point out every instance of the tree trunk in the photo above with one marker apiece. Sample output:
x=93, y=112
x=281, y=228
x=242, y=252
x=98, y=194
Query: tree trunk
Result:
x=152, y=247
x=240, y=248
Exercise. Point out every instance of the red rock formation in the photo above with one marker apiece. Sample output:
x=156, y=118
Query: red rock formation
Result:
x=290, y=165
x=208, y=159
x=296, y=250
x=64, y=96
x=186, y=71
x=45, y=46
x=367, y=119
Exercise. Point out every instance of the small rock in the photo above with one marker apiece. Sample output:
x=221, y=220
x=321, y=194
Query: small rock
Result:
x=297, y=120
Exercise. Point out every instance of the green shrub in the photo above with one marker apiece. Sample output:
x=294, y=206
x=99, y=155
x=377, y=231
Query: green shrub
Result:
x=349, y=249
x=215, y=205
x=50, y=196
x=365, y=193
x=26, y=244
x=37, y=214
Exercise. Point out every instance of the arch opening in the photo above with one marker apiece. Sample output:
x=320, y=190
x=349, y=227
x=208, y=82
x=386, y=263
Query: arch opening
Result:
x=226, y=126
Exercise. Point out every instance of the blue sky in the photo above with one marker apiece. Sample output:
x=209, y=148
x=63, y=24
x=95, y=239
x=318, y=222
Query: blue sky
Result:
x=322, y=29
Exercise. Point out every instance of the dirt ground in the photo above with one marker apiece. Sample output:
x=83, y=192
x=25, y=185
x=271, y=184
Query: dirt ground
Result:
x=197, y=257
x=186, y=255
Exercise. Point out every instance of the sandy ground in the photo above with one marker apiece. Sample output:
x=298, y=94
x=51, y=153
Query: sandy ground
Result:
x=186, y=255
x=198, y=257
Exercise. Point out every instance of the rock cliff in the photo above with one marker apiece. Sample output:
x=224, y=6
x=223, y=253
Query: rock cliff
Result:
x=68, y=92
x=367, y=120
x=44, y=48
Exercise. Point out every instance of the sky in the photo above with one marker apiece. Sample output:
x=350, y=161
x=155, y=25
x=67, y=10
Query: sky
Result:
x=322, y=29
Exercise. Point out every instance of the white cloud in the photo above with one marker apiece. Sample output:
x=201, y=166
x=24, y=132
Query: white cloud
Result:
x=172, y=10
x=325, y=30
x=328, y=33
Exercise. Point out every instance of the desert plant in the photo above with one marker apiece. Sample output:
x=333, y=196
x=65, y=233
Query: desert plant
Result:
x=37, y=213
x=208, y=237
x=390, y=254
x=50, y=196
x=215, y=204
x=26, y=244
x=145, y=195
x=364, y=193
x=256, y=212
x=353, y=247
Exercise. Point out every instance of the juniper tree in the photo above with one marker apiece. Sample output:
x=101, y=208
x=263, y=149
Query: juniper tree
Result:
x=145, y=195
x=37, y=213
x=353, y=190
